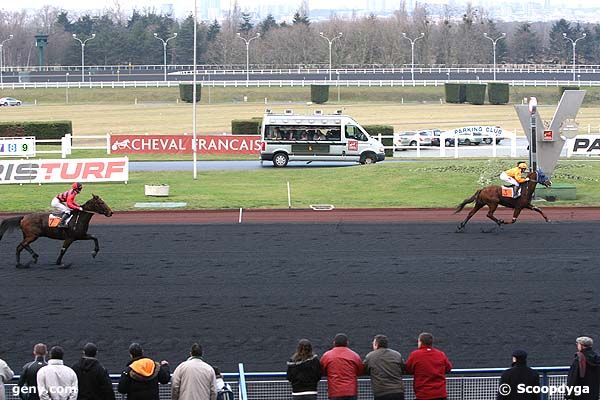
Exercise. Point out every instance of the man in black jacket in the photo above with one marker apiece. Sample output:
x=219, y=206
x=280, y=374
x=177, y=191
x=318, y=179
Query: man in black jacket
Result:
x=141, y=378
x=28, y=379
x=519, y=374
x=585, y=371
x=92, y=377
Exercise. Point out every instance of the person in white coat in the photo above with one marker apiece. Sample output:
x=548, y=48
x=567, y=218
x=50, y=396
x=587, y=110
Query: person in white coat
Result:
x=6, y=374
x=194, y=379
x=56, y=381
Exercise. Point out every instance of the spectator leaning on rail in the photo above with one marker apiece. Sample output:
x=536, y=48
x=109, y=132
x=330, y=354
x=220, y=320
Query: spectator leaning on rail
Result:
x=585, y=370
x=56, y=381
x=385, y=366
x=342, y=367
x=92, y=377
x=519, y=374
x=194, y=379
x=140, y=379
x=28, y=380
x=6, y=374
x=429, y=367
x=304, y=372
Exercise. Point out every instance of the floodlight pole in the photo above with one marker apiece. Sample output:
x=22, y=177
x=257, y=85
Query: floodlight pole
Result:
x=247, y=41
x=83, y=42
x=494, y=41
x=2, y=57
x=194, y=95
x=533, y=144
x=330, y=41
x=574, y=43
x=412, y=52
x=164, y=42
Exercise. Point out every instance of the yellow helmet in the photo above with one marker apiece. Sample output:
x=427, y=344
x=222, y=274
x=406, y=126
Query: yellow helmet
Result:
x=523, y=165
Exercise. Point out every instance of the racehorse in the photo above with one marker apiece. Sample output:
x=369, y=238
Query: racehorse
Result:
x=35, y=225
x=491, y=196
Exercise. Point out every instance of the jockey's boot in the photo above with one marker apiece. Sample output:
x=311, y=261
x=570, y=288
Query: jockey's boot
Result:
x=63, y=220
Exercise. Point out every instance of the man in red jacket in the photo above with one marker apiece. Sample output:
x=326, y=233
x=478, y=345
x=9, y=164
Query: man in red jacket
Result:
x=342, y=367
x=429, y=367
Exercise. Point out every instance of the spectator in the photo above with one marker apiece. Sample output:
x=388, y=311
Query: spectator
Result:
x=385, y=366
x=194, y=379
x=304, y=372
x=520, y=373
x=585, y=371
x=224, y=391
x=6, y=374
x=28, y=389
x=93, y=379
x=429, y=367
x=140, y=379
x=56, y=381
x=342, y=367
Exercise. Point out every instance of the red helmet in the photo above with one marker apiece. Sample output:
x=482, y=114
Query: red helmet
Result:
x=77, y=187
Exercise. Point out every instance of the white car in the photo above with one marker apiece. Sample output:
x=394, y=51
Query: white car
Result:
x=9, y=101
x=423, y=138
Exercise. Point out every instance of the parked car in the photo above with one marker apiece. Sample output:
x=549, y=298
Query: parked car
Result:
x=9, y=101
x=496, y=132
x=468, y=139
x=435, y=140
x=412, y=138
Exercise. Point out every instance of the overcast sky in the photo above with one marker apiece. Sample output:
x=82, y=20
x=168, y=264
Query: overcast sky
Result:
x=184, y=6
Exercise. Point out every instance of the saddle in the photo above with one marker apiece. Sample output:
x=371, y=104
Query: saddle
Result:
x=54, y=220
x=511, y=192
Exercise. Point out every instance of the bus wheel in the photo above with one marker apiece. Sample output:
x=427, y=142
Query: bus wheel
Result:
x=368, y=158
x=280, y=160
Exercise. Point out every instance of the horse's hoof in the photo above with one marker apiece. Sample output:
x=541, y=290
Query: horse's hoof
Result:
x=35, y=259
x=500, y=222
x=459, y=229
x=94, y=254
x=22, y=266
x=65, y=266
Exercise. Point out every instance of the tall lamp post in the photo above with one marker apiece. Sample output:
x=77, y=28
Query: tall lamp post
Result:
x=494, y=41
x=164, y=42
x=2, y=57
x=247, y=41
x=83, y=42
x=412, y=52
x=574, y=43
x=330, y=41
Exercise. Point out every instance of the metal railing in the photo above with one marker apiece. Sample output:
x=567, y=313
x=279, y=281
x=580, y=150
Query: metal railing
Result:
x=462, y=384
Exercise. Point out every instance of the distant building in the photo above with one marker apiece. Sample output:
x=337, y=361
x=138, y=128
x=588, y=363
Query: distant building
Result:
x=210, y=10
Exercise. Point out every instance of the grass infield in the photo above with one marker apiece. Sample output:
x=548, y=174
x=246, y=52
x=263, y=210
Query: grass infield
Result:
x=387, y=184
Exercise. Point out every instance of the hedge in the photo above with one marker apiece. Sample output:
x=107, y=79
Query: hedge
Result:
x=476, y=93
x=39, y=129
x=498, y=93
x=384, y=130
x=186, y=92
x=561, y=89
x=319, y=94
x=455, y=92
x=246, y=126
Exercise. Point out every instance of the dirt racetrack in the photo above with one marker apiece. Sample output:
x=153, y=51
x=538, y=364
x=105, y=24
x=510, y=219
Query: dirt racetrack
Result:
x=248, y=292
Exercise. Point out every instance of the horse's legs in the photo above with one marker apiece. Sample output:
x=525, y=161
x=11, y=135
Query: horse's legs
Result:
x=63, y=250
x=538, y=210
x=515, y=215
x=96, y=245
x=492, y=209
x=25, y=245
x=473, y=211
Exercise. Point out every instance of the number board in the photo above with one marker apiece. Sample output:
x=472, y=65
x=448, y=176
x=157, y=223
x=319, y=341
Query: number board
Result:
x=17, y=146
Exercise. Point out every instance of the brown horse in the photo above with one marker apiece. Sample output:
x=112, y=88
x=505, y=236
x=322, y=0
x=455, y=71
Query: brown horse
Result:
x=35, y=225
x=491, y=196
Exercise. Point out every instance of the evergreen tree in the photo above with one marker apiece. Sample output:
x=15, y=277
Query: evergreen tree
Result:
x=524, y=45
x=267, y=24
x=560, y=48
x=246, y=26
x=62, y=21
x=213, y=31
x=300, y=19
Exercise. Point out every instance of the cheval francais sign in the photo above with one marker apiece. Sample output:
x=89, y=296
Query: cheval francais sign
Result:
x=182, y=144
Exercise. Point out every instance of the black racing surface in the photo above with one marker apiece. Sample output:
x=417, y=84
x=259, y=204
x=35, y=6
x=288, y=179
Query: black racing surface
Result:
x=247, y=293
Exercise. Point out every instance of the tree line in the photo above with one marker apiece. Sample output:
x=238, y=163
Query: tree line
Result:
x=454, y=38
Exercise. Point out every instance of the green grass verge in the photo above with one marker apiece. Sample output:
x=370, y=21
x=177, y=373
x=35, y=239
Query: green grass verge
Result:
x=401, y=184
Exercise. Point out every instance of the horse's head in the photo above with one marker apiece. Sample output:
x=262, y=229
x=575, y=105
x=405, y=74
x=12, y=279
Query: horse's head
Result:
x=97, y=205
x=539, y=177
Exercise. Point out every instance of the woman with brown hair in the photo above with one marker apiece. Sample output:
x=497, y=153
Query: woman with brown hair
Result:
x=304, y=372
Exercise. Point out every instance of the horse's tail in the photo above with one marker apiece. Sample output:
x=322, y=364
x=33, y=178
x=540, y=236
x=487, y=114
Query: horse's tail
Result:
x=467, y=201
x=9, y=224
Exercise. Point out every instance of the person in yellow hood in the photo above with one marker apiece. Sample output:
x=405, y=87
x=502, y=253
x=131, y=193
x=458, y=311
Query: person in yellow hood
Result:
x=140, y=379
x=514, y=176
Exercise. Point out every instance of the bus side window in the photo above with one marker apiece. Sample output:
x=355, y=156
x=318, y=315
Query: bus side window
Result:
x=334, y=134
